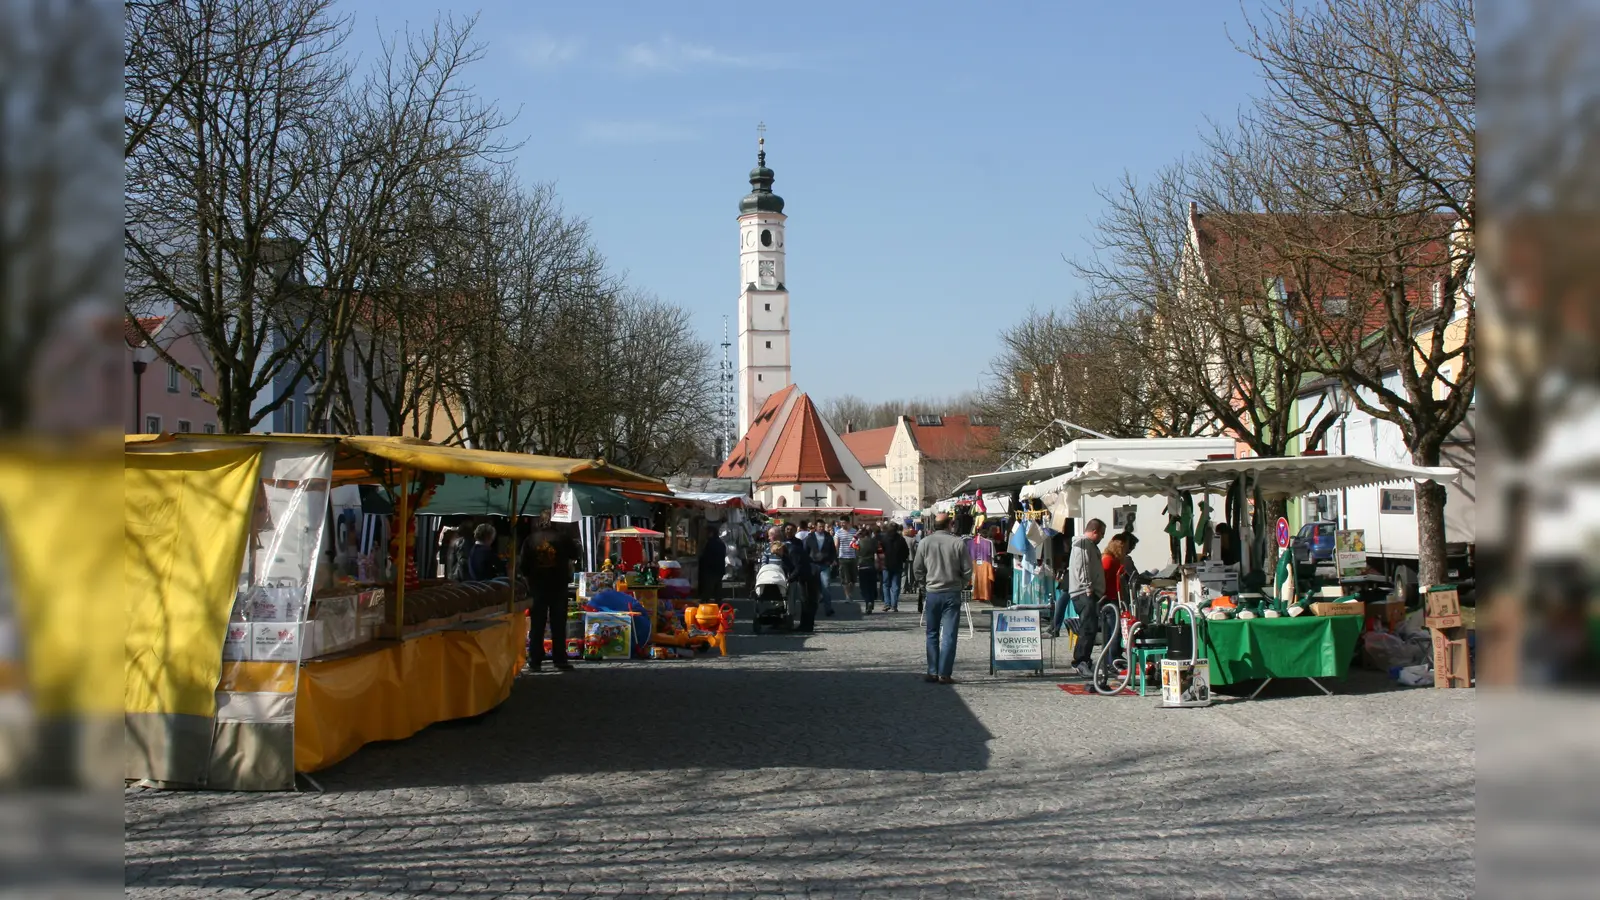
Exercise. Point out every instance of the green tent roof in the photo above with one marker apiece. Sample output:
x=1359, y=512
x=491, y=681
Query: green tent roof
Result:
x=470, y=495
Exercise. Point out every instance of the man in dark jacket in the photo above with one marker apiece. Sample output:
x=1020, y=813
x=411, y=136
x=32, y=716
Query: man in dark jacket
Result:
x=895, y=553
x=867, y=565
x=713, y=566
x=805, y=574
x=547, y=562
x=824, y=553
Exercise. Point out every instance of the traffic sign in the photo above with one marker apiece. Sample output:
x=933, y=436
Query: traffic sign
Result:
x=1283, y=533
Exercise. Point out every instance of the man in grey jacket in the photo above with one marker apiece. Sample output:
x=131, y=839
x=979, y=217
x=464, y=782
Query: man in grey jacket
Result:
x=944, y=565
x=1086, y=584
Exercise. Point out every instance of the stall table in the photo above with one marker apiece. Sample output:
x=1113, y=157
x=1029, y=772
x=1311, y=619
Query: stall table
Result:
x=1309, y=647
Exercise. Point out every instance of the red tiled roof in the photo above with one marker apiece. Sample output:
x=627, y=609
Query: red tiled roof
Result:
x=870, y=447
x=803, y=452
x=956, y=439
x=737, y=465
x=131, y=334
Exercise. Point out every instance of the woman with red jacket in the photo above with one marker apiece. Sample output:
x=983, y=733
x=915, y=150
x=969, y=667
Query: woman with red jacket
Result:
x=1115, y=562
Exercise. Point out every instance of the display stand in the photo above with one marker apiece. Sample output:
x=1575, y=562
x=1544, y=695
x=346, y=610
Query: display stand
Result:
x=1015, y=639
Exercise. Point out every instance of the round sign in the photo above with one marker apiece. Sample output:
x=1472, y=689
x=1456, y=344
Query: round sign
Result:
x=1283, y=533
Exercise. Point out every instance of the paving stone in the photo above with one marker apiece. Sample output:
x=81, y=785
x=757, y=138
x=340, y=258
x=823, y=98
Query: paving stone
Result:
x=822, y=766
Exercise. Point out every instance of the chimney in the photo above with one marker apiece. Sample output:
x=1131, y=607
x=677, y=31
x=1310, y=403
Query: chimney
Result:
x=849, y=427
x=1194, y=209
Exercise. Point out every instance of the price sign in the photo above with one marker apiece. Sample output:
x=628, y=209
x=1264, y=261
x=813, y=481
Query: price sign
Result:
x=1283, y=533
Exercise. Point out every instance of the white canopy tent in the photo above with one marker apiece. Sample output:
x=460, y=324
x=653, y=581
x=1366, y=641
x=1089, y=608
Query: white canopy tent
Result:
x=1277, y=477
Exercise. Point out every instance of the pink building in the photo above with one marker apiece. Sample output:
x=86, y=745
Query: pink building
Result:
x=161, y=397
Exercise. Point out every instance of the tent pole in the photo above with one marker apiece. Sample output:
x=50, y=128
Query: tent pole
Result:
x=400, y=554
x=511, y=604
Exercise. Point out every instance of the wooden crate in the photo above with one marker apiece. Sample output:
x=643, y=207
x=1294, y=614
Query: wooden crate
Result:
x=1452, y=660
x=1339, y=609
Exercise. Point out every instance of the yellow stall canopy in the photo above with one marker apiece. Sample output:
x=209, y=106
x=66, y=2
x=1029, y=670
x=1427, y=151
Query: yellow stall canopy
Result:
x=360, y=457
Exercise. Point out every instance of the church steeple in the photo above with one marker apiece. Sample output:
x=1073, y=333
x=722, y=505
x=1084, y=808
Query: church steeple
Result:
x=761, y=198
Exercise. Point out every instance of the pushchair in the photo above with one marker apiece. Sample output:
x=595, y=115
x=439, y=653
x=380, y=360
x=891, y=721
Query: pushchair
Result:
x=773, y=608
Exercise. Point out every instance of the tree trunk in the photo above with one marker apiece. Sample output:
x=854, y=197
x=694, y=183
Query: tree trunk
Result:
x=1432, y=567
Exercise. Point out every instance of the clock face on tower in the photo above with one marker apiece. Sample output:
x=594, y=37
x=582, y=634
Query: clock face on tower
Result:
x=767, y=270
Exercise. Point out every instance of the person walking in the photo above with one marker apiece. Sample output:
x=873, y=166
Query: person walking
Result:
x=845, y=538
x=824, y=553
x=944, y=565
x=1086, y=584
x=803, y=580
x=896, y=552
x=713, y=566
x=547, y=564
x=867, y=565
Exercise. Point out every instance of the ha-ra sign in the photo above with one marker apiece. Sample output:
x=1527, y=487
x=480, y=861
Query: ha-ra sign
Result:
x=1014, y=642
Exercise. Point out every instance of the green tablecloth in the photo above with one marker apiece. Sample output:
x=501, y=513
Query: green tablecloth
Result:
x=1301, y=647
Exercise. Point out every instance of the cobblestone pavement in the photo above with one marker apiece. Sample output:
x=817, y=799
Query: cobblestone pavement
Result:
x=822, y=766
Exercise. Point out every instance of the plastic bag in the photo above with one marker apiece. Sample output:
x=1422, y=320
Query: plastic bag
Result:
x=1383, y=652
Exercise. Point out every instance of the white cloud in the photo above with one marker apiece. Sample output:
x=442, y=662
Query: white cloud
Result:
x=637, y=131
x=546, y=51
x=668, y=54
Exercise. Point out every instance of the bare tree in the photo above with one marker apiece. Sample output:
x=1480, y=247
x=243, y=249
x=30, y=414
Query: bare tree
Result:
x=233, y=93
x=843, y=413
x=1371, y=105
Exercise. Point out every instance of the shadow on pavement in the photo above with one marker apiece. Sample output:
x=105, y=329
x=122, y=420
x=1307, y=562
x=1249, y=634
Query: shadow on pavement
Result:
x=672, y=716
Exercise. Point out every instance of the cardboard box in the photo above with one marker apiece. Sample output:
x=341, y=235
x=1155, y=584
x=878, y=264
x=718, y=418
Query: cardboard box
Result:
x=1452, y=663
x=1388, y=613
x=1441, y=608
x=1339, y=609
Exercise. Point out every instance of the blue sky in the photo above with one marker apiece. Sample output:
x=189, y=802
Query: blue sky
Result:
x=937, y=159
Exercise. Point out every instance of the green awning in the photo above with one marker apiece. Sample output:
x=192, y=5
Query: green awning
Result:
x=470, y=495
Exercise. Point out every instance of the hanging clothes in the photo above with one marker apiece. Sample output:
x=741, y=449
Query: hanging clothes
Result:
x=981, y=550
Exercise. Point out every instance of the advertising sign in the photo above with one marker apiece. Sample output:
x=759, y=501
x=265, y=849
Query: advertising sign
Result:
x=1398, y=501
x=1350, y=553
x=1014, y=642
x=274, y=642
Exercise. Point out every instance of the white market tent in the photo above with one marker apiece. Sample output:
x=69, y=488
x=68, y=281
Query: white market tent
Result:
x=1276, y=477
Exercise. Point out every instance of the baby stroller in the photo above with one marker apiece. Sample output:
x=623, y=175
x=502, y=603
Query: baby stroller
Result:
x=772, y=600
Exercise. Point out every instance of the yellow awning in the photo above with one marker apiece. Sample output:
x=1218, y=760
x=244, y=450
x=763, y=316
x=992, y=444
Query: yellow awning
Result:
x=355, y=452
x=429, y=457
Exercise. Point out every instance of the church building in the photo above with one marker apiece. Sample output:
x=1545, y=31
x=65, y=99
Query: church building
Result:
x=790, y=454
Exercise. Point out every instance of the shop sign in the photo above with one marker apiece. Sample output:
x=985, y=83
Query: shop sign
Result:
x=1400, y=501
x=1015, y=640
x=274, y=642
x=1350, y=553
x=565, y=507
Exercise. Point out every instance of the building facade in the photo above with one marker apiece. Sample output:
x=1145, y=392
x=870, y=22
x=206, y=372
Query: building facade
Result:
x=921, y=458
x=162, y=394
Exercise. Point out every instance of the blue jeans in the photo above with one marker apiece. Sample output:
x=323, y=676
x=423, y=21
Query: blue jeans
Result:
x=941, y=614
x=891, y=589
x=825, y=577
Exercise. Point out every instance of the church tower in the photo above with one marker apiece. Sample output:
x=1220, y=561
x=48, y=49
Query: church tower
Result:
x=763, y=296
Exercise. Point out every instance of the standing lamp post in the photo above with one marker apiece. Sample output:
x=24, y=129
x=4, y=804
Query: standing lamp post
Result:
x=1344, y=403
x=139, y=366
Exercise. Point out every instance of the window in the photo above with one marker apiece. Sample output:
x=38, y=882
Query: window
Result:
x=194, y=389
x=184, y=427
x=1438, y=294
x=759, y=377
x=172, y=378
x=769, y=345
x=927, y=421
x=975, y=420
x=152, y=424
x=863, y=495
x=766, y=238
x=768, y=306
x=209, y=428
x=1325, y=530
x=1336, y=306
x=288, y=416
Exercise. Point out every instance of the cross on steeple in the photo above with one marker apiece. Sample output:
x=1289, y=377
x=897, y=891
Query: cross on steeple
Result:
x=761, y=143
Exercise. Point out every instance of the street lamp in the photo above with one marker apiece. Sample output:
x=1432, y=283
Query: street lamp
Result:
x=141, y=361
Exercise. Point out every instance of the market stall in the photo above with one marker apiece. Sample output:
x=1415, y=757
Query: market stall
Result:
x=1259, y=623
x=277, y=668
